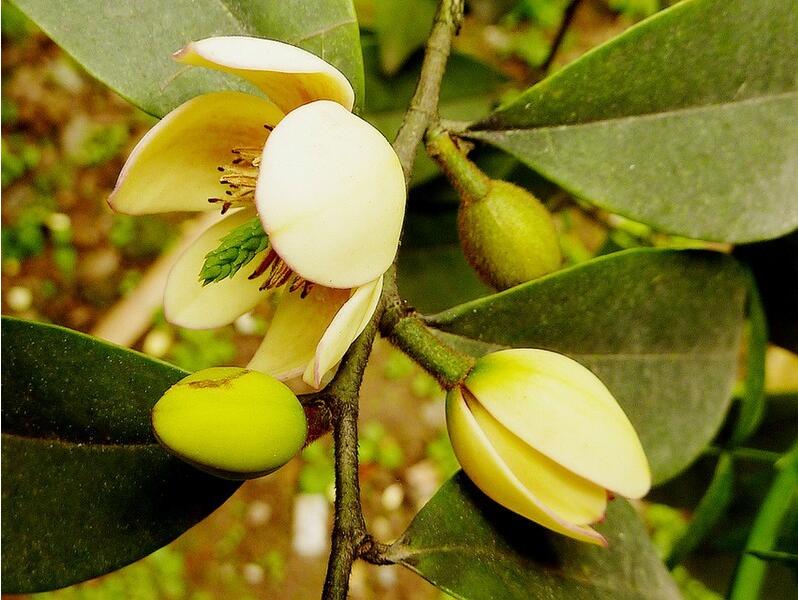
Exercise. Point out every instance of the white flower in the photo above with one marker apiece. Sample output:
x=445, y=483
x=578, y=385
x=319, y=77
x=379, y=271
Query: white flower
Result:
x=326, y=185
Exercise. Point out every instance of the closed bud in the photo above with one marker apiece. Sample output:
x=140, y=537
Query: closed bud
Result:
x=541, y=435
x=231, y=422
x=507, y=235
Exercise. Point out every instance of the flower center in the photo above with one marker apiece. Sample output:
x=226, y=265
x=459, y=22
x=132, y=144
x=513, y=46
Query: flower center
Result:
x=239, y=176
x=279, y=274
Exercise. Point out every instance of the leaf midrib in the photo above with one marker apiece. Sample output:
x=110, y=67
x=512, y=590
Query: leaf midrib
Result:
x=69, y=444
x=652, y=116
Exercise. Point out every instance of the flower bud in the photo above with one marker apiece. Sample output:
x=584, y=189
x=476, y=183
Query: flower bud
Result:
x=507, y=235
x=230, y=422
x=542, y=436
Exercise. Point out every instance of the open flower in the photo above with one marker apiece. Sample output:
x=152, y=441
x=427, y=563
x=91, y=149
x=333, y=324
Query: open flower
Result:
x=541, y=435
x=326, y=186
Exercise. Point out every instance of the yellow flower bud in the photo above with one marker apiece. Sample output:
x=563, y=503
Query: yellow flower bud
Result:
x=231, y=422
x=542, y=436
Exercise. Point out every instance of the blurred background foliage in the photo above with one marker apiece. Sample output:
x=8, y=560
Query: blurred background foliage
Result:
x=67, y=259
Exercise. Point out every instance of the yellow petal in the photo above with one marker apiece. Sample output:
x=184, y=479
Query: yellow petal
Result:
x=290, y=76
x=491, y=474
x=349, y=322
x=565, y=412
x=569, y=496
x=296, y=329
x=188, y=303
x=331, y=196
x=173, y=167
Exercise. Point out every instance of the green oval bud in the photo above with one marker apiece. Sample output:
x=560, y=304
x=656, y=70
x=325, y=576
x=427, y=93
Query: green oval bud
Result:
x=231, y=422
x=508, y=236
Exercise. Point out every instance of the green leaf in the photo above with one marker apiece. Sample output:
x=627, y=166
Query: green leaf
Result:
x=709, y=510
x=128, y=45
x=751, y=569
x=686, y=122
x=235, y=250
x=473, y=549
x=752, y=400
x=86, y=488
x=775, y=267
x=402, y=27
x=661, y=328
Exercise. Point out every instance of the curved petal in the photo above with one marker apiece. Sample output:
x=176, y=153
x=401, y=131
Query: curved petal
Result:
x=290, y=76
x=174, y=166
x=296, y=329
x=569, y=496
x=349, y=322
x=331, y=196
x=487, y=470
x=565, y=412
x=188, y=303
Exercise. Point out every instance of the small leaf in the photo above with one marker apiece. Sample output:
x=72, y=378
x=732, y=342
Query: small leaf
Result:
x=128, y=45
x=470, y=547
x=235, y=250
x=752, y=401
x=86, y=488
x=686, y=122
x=711, y=508
x=661, y=328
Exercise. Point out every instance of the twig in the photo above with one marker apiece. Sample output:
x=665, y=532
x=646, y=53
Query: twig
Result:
x=424, y=105
x=567, y=18
x=350, y=539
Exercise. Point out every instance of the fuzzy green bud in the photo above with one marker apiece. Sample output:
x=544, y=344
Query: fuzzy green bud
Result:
x=507, y=235
x=231, y=422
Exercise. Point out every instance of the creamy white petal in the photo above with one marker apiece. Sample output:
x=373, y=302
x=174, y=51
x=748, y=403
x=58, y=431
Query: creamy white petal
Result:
x=331, y=196
x=565, y=412
x=489, y=472
x=349, y=322
x=296, y=329
x=173, y=167
x=569, y=496
x=188, y=303
x=290, y=76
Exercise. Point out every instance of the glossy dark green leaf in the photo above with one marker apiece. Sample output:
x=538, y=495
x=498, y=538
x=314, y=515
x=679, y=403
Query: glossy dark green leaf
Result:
x=661, y=328
x=128, y=45
x=402, y=27
x=686, y=122
x=775, y=267
x=86, y=488
x=473, y=549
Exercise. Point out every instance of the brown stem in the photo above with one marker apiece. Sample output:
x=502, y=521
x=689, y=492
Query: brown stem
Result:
x=567, y=18
x=350, y=539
